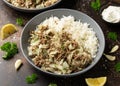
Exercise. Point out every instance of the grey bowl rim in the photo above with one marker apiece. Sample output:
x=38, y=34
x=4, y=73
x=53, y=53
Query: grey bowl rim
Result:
x=30, y=10
x=71, y=74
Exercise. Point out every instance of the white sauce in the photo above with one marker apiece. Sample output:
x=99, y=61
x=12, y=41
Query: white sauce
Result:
x=111, y=14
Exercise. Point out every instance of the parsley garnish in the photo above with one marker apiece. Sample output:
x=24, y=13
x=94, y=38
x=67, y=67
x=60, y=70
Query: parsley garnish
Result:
x=117, y=67
x=112, y=35
x=10, y=50
x=62, y=46
x=52, y=84
x=19, y=21
x=95, y=4
x=31, y=78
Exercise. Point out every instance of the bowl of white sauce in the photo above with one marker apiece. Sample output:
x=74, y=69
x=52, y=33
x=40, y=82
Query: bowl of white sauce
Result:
x=111, y=14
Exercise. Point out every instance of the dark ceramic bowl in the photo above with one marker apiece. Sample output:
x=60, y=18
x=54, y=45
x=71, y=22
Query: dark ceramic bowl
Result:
x=31, y=25
x=35, y=10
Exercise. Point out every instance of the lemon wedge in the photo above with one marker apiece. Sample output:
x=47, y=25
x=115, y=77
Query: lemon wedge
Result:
x=7, y=30
x=100, y=81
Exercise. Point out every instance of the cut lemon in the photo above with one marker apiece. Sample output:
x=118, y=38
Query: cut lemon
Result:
x=100, y=81
x=7, y=30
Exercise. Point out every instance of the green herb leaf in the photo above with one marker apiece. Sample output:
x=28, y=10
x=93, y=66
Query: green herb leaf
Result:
x=117, y=67
x=62, y=46
x=10, y=50
x=96, y=5
x=52, y=84
x=112, y=35
x=6, y=46
x=19, y=21
x=31, y=78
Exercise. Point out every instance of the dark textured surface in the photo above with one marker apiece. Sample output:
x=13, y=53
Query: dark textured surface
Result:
x=8, y=75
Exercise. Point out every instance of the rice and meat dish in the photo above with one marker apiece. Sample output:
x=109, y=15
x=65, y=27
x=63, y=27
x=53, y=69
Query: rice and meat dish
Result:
x=32, y=3
x=62, y=45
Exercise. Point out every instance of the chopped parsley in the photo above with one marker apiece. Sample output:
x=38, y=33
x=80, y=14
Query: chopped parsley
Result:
x=117, y=67
x=10, y=50
x=112, y=35
x=95, y=4
x=19, y=21
x=52, y=84
x=62, y=46
x=31, y=78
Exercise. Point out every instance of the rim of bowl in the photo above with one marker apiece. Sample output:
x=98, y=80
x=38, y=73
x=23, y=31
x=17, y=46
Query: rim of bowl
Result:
x=28, y=9
x=75, y=73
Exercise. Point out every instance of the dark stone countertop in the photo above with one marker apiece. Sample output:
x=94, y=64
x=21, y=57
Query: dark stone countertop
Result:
x=8, y=75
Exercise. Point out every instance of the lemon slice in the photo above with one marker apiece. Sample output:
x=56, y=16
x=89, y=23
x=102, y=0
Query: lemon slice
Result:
x=7, y=30
x=100, y=81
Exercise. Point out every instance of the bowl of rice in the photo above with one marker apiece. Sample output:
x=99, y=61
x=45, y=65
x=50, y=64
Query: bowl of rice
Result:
x=62, y=42
x=31, y=6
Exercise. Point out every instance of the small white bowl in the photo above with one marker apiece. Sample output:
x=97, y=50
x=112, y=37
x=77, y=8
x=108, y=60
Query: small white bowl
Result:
x=111, y=14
